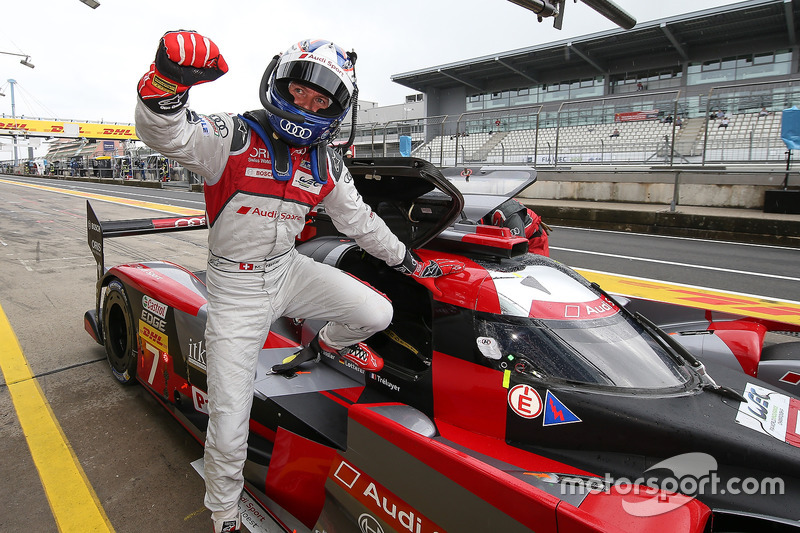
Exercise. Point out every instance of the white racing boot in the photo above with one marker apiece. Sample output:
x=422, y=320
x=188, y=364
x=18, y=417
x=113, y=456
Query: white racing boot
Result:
x=228, y=525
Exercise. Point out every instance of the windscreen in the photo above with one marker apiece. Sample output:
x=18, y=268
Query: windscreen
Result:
x=612, y=351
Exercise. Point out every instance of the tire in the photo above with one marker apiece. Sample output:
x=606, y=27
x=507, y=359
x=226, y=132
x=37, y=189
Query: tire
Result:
x=119, y=332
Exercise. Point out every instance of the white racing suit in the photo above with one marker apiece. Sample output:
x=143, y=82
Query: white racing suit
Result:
x=255, y=275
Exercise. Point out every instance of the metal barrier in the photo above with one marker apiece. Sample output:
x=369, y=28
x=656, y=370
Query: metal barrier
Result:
x=653, y=127
x=645, y=127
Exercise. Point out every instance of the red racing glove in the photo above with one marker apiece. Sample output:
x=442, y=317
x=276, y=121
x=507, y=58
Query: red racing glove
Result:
x=413, y=266
x=426, y=271
x=183, y=59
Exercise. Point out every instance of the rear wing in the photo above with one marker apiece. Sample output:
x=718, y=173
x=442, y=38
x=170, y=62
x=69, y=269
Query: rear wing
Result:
x=97, y=231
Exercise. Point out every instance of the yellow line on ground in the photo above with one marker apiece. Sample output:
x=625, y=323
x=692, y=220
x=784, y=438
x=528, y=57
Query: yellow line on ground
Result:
x=72, y=499
x=699, y=297
x=123, y=201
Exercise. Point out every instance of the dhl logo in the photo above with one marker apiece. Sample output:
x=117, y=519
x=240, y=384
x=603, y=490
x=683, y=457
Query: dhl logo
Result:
x=13, y=126
x=84, y=129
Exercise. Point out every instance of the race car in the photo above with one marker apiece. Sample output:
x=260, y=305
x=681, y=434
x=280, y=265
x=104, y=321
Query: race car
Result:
x=514, y=395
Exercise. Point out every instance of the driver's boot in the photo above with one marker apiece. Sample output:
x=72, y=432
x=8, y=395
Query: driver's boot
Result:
x=309, y=353
x=228, y=525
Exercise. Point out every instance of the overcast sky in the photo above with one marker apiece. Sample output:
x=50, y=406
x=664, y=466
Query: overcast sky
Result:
x=89, y=60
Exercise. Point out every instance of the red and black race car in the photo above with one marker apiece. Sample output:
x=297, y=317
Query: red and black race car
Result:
x=514, y=396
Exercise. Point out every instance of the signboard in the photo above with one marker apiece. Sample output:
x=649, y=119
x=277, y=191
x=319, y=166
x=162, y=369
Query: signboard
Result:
x=636, y=115
x=90, y=130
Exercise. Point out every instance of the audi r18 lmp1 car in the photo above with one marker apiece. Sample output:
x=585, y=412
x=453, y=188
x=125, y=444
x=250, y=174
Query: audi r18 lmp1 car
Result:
x=514, y=395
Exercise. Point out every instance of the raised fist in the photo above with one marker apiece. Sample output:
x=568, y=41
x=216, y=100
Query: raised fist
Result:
x=189, y=58
x=183, y=59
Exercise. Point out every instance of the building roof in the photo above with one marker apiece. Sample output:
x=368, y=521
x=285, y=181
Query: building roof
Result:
x=722, y=30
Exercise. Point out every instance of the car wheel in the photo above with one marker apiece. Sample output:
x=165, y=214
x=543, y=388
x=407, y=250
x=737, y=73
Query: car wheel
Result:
x=122, y=346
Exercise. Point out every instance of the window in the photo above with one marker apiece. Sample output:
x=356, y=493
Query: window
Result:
x=741, y=67
x=761, y=59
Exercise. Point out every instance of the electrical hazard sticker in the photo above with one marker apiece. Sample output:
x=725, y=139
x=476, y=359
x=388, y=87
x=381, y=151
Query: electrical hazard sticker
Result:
x=556, y=413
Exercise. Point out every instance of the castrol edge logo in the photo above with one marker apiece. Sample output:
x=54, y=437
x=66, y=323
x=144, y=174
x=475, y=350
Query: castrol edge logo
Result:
x=154, y=306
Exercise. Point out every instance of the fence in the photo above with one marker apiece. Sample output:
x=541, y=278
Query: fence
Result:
x=644, y=127
x=656, y=128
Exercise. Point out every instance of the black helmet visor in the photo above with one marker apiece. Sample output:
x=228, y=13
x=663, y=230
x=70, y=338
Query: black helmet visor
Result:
x=318, y=77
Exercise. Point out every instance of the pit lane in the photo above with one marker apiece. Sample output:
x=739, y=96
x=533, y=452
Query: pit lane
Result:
x=132, y=454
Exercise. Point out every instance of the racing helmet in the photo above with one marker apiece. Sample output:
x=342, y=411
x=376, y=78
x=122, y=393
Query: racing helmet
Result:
x=326, y=68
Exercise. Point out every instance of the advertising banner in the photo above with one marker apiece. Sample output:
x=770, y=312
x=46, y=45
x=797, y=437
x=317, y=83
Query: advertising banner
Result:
x=636, y=115
x=89, y=130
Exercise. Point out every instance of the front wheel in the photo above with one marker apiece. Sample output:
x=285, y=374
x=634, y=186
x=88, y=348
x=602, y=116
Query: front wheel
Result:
x=122, y=346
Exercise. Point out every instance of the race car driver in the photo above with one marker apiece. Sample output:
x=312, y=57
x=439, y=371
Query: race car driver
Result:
x=263, y=172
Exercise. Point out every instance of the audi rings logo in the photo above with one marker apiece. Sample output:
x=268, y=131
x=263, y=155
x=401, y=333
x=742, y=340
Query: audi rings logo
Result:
x=295, y=130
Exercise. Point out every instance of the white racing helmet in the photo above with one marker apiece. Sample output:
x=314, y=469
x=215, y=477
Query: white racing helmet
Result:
x=323, y=66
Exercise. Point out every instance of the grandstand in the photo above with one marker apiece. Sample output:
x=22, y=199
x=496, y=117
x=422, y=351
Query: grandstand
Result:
x=561, y=102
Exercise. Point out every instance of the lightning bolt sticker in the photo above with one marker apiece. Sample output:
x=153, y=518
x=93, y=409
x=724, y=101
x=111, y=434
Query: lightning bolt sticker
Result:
x=556, y=413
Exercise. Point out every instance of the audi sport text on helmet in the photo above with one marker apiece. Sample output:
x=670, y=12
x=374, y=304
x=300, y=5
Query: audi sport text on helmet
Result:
x=324, y=67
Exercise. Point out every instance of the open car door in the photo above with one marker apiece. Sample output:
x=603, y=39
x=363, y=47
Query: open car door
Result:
x=411, y=195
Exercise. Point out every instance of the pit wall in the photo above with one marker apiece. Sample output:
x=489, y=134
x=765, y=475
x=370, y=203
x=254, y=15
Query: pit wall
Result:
x=683, y=186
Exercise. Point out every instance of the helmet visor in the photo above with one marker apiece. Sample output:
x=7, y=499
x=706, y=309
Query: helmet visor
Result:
x=318, y=77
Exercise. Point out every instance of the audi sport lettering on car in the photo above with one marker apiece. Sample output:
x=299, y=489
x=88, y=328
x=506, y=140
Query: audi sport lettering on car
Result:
x=497, y=382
